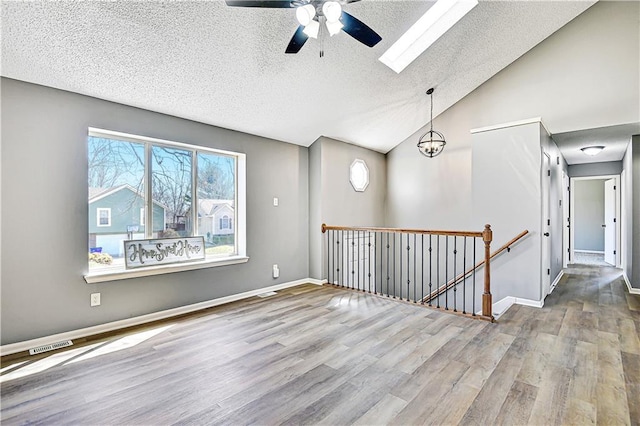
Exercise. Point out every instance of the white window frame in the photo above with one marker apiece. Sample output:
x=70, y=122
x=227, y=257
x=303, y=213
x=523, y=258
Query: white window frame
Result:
x=359, y=175
x=142, y=216
x=222, y=223
x=100, y=210
x=240, y=212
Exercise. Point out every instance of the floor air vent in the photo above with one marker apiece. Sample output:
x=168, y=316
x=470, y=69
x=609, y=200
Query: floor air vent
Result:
x=51, y=347
x=267, y=294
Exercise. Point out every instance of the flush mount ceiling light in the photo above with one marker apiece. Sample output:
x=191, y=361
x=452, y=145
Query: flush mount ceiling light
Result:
x=592, y=150
x=443, y=15
x=431, y=143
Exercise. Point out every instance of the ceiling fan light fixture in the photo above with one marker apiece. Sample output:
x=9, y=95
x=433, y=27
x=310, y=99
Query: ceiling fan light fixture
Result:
x=440, y=17
x=312, y=29
x=334, y=27
x=592, y=150
x=305, y=14
x=332, y=11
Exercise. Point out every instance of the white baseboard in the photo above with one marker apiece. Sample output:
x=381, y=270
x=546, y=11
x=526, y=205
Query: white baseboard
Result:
x=556, y=281
x=588, y=251
x=142, y=319
x=502, y=305
x=632, y=290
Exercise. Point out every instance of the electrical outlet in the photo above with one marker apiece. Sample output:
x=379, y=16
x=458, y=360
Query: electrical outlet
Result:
x=276, y=271
x=275, y=201
x=95, y=299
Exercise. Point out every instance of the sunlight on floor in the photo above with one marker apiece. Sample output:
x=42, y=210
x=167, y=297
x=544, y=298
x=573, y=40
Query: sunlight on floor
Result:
x=26, y=368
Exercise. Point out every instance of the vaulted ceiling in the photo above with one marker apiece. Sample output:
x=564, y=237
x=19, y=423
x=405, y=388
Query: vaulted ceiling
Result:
x=226, y=66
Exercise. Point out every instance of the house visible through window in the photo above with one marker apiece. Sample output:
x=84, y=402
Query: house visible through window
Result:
x=143, y=188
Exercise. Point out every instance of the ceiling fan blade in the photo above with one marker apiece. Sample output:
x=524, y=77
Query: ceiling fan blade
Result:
x=273, y=4
x=297, y=41
x=359, y=30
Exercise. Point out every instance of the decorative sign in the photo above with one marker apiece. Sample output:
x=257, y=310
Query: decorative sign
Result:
x=141, y=253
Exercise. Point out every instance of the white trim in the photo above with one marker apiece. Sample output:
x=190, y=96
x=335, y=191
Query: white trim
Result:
x=142, y=319
x=128, y=137
x=619, y=218
x=511, y=124
x=529, y=302
x=589, y=251
x=103, y=276
x=632, y=290
x=316, y=282
x=556, y=281
x=143, y=215
x=502, y=305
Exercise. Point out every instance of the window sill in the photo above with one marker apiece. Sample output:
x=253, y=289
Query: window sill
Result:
x=99, y=277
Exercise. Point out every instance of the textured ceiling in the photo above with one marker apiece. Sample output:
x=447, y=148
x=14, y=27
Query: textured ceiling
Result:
x=615, y=139
x=226, y=66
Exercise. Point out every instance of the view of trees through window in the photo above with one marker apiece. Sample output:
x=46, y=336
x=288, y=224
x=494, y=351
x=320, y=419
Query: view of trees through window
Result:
x=191, y=191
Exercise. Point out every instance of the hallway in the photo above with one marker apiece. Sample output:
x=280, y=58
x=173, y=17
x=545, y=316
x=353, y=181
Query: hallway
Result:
x=586, y=358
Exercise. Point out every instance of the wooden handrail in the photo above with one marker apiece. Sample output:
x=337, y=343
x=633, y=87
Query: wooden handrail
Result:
x=460, y=277
x=326, y=228
x=486, y=235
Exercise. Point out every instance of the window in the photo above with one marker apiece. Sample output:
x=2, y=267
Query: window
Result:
x=225, y=223
x=103, y=217
x=359, y=175
x=160, y=189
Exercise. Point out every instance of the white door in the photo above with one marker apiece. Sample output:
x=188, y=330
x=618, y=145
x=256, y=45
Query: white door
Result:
x=546, y=226
x=610, y=221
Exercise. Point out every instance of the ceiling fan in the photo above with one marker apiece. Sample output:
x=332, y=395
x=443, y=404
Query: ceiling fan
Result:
x=311, y=14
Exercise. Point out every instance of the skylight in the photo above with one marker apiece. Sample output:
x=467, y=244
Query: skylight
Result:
x=443, y=15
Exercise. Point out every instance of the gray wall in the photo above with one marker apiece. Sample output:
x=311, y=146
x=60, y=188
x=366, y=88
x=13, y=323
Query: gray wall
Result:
x=44, y=239
x=588, y=214
x=631, y=211
x=315, y=210
x=595, y=169
x=546, y=80
x=507, y=195
x=339, y=204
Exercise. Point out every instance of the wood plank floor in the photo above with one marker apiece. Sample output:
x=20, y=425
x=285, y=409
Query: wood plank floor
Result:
x=320, y=355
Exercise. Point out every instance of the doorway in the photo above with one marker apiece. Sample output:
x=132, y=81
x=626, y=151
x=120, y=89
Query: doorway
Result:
x=595, y=228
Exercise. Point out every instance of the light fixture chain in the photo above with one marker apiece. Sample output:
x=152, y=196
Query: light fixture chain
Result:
x=431, y=117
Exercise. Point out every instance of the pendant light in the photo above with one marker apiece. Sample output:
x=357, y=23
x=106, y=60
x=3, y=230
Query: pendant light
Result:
x=431, y=143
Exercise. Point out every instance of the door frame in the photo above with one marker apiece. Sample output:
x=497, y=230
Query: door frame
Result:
x=572, y=206
x=566, y=218
x=545, y=238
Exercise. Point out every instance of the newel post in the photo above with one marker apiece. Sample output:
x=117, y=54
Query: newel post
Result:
x=487, y=236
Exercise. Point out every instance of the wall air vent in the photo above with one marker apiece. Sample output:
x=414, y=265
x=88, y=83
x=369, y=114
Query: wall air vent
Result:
x=51, y=347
